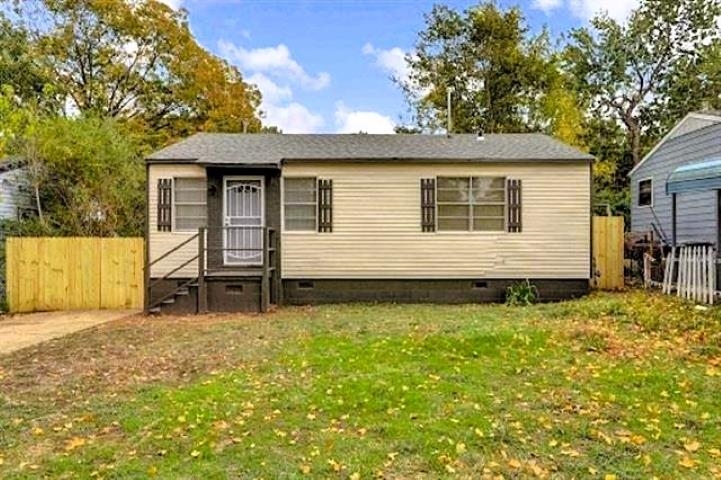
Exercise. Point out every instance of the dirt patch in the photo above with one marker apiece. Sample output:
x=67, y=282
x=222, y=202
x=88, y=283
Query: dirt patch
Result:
x=137, y=350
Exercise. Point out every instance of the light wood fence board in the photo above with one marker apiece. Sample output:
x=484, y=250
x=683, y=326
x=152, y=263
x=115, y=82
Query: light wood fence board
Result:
x=74, y=273
x=608, y=252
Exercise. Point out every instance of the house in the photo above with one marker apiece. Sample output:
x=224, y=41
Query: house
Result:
x=15, y=198
x=237, y=222
x=675, y=188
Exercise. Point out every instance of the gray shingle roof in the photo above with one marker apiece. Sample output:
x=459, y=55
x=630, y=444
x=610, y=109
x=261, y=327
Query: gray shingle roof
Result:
x=272, y=149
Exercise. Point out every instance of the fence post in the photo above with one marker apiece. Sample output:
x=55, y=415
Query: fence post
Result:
x=202, y=293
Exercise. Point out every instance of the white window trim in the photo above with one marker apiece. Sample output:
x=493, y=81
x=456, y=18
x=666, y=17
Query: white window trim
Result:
x=174, y=209
x=262, y=217
x=638, y=192
x=282, y=205
x=470, y=218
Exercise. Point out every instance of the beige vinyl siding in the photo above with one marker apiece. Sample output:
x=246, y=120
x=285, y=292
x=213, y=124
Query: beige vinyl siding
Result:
x=161, y=242
x=377, y=226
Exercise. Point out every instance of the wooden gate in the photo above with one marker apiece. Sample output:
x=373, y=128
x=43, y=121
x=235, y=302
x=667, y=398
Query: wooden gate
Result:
x=74, y=273
x=608, y=249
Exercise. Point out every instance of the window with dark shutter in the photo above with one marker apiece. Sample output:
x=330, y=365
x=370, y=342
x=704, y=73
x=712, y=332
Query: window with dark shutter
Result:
x=515, y=223
x=428, y=204
x=189, y=202
x=165, y=204
x=475, y=204
x=300, y=204
x=325, y=205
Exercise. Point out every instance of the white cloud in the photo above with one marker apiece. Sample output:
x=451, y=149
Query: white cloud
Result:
x=392, y=61
x=275, y=72
x=616, y=9
x=587, y=9
x=174, y=4
x=276, y=61
x=350, y=121
x=547, y=5
x=272, y=92
x=292, y=118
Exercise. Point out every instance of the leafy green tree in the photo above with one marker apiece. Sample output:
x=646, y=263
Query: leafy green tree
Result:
x=495, y=72
x=87, y=174
x=137, y=61
x=643, y=73
x=20, y=69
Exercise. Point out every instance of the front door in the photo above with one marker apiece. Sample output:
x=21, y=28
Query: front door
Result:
x=243, y=221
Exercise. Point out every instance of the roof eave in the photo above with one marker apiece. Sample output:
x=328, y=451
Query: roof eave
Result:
x=584, y=159
x=156, y=160
x=702, y=116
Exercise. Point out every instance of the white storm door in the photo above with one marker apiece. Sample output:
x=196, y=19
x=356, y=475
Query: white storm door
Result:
x=243, y=221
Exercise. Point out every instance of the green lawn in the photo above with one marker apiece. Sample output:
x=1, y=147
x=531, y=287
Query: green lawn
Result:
x=625, y=385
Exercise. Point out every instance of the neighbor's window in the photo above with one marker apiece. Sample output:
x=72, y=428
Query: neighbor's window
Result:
x=189, y=197
x=471, y=203
x=299, y=203
x=645, y=193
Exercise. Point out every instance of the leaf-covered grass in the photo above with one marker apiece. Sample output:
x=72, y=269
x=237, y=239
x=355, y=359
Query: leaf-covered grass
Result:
x=614, y=384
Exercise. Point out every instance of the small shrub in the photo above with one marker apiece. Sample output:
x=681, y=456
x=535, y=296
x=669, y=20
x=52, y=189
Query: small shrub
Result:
x=521, y=293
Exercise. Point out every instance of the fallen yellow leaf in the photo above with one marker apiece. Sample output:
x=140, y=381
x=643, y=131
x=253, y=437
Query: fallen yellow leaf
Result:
x=571, y=453
x=513, y=463
x=195, y=454
x=687, y=462
x=74, y=443
x=305, y=469
x=691, y=446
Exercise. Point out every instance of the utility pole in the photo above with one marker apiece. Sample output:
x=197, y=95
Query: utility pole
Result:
x=449, y=128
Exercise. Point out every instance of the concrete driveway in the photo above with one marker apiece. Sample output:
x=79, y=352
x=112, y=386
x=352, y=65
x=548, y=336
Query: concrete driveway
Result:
x=25, y=330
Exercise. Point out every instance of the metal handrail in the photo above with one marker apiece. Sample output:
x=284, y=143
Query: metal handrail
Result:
x=203, y=248
x=179, y=267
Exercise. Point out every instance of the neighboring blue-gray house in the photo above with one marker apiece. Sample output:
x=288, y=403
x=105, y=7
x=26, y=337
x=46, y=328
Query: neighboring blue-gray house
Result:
x=681, y=175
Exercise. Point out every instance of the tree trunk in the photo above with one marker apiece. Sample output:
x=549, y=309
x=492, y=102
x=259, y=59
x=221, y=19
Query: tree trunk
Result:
x=634, y=138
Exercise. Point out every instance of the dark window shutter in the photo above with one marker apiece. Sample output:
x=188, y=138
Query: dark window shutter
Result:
x=165, y=204
x=428, y=204
x=325, y=205
x=515, y=223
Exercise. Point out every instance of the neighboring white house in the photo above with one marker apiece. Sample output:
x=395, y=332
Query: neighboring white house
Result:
x=15, y=198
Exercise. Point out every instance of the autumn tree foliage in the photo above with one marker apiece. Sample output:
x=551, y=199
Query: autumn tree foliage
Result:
x=89, y=87
x=136, y=61
x=649, y=72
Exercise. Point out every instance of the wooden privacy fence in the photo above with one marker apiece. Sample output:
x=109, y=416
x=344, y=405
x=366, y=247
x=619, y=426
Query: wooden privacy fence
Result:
x=74, y=273
x=608, y=247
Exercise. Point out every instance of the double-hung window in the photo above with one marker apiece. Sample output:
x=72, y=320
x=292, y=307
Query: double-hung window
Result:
x=189, y=203
x=300, y=203
x=471, y=203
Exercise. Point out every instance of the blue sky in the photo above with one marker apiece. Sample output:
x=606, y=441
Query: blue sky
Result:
x=325, y=65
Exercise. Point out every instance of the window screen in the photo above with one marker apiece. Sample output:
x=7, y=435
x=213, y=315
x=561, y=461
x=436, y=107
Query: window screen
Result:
x=190, y=204
x=300, y=203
